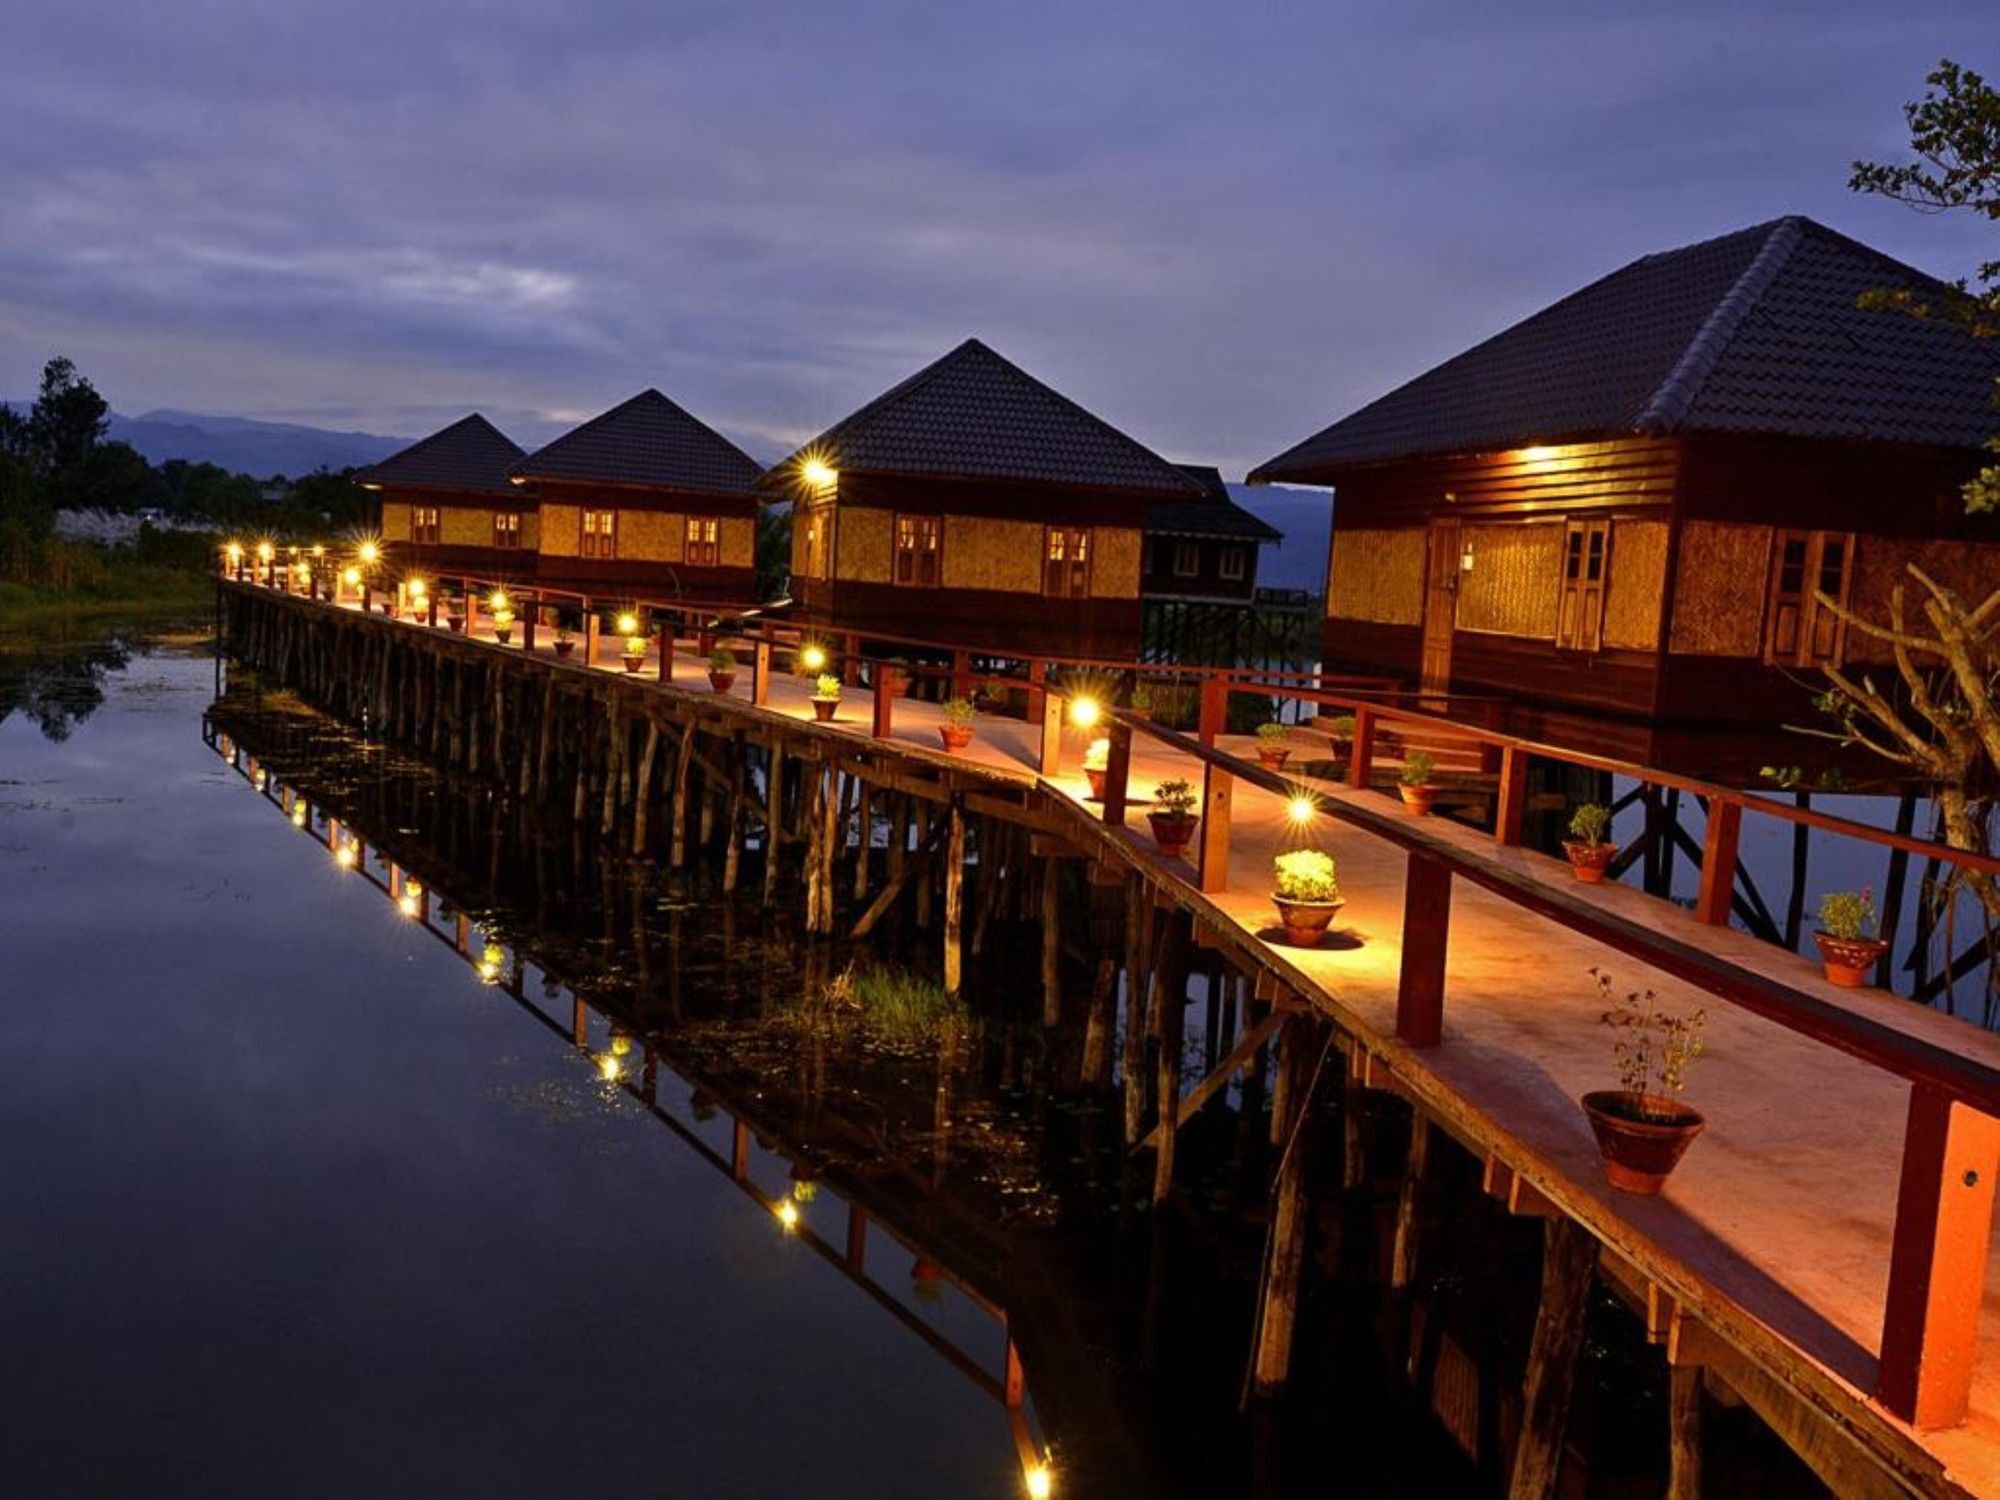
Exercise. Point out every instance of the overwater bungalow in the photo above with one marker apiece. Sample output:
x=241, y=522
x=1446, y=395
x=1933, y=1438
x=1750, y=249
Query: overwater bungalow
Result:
x=447, y=505
x=647, y=499
x=974, y=505
x=1198, y=571
x=1626, y=504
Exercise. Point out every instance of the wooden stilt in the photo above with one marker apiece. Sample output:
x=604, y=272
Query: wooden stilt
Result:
x=1569, y=1261
x=1138, y=943
x=774, y=822
x=1684, y=1433
x=1285, y=1261
x=684, y=752
x=1051, y=942
x=1171, y=1006
x=1409, y=1206
x=954, y=895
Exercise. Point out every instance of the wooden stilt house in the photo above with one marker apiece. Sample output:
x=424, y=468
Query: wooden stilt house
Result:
x=1626, y=504
x=1198, y=573
x=974, y=505
x=447, y=505
x=646, y=499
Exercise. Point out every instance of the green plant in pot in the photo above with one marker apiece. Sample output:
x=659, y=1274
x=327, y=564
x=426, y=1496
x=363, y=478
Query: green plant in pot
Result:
x=826, y=696
x=1415, y=781
x=503, y=625
x=1848, y=946
x=722, y=669
x=1306, y=890
x=634, y=655
x=565, y=642
x=1096, y=757
x=1642, y=1127
x=1173, y=817
x=1339, y=732
x=1590, y=851
x=956, y=728
x=1271, y=748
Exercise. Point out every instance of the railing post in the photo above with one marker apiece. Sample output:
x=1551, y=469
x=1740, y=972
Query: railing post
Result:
x=431, y=609
x=1218, y=793
x=1937, y=1261
x=531, y=612
x=1214, y=708
x=1052, y=728
x=884, y=698
x=1361, y=763
x=850, y=658
x=1117, y=772
x=1718, y=862
x=961, y=674
x=760, y=673
x=591, y=627
x=668, y=636
x=1513, y=803
x=1426, y=939
x=1038, y=677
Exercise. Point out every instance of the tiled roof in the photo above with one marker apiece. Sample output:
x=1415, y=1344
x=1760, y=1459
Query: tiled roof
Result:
x=471, y=454
x=974, y=415
x=647, y=440
x=1211, y=513
x=1755, y=332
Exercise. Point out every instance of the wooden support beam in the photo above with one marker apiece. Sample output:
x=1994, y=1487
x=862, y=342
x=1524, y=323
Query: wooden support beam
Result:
x=882, y=699
x=1937, y=1262
x=1569, y=1262
x=1049, y=763
x=915, y=866
x=954, y=897
x=1051, y=916
x=1218, y=795
x=1171, y=1004
x=1138, y=944
x=1278, y=1310
x=1426, y=939
x=1117, y=774
x=1409, y=1205
x=1512, y=807
x=760, y=674
x=1246, y=1048
x=1520, y=1197
x=1361, y=759
x=774, y=822
x=1718, y=862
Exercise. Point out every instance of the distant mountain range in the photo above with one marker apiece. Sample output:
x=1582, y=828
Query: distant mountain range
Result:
x=244, y=445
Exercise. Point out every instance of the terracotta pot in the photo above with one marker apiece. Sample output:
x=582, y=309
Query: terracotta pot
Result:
x=823, y=709
x=563, y=648
x=1096, y=780
x=1305, y=922
x=633, y=663
x=1418, y=799
x=504, y=634
x=722, y=682
x=1640, y=1152
x=456, y=622
x=955, y=736
x=1848, y=961
x=1273, y=760
x=1589, y=861
x=1173, y=832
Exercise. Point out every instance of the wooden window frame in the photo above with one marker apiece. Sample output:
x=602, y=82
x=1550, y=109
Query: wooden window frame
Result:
x=598, y=543
x=1583, y=577
x=1066, y=558
x=701, y=542
x=1232, y=564
x=1187, y=559
x=916, y=551
x=507, y=530
x=425, y=521
x=1798, y=630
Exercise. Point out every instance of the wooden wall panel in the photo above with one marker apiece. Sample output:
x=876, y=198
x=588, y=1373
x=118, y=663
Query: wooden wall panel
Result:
x=1514, y=587
x=1377, y=575
x=465, y=526
x=739, y=542
x=561, y=529
x=862, y=544
x=531, y=531
x=1719, y=589
x=1637, y=584
x=1971, y=569
x=982, y=552
x=1577, y=476
x=651, y=535
x=1114, y=572
x=395, y=521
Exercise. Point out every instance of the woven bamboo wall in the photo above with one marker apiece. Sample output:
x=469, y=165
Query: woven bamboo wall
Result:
x=395, y=521
x=983, y=552
x=531, y=531
x=651, y=536
x=739, y=542
x=1971, y=569
x=465, y=526
x=1513, y=588
x=1114, y=572
x=863, y=544
x=1377, y=575
x=559, y=530
x=1719, y=589
x=1636, y=586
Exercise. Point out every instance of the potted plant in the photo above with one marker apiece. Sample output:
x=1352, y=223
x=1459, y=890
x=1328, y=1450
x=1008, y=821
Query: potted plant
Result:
x=1589, y=852
x=634, y=655
x=1306, y=891
x=1095, y=758
x=956, y=730
x=503, y=625
x=1339, y=732
x=1142, y=700
x=826, y=697
x=722, y=669
x=454, y=611
x=1173, y=817
x=1642, y=1129
x=565, y=642
x=1271, y=750
x=1415, y=782
x=1848, y=947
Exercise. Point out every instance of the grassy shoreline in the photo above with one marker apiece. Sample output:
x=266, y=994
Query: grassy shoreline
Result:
x=129, y=591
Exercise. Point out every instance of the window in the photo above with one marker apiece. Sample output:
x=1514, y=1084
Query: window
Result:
x=424, y=524
x=1231, y=565
x=507, y=528
x=1066, y=568
x=917, y=551
x=1585, y=563
x=1798, y=629
x=704, y=542
x=600, y=533
x=1187, y=559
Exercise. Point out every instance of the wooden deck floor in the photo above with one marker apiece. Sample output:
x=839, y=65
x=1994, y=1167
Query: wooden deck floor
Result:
x=1775, y=1231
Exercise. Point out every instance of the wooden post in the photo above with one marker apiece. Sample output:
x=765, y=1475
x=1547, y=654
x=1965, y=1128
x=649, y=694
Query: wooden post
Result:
x=1214, y=711
x=1718, y=862
x=739, y=1151
x=1218, y=794
x=1409, y=1204
x=1095, y=1065
x=1426, y=940
x=1684, y=1432
x=579, y=1022
x=678, y=833
x=1278, y=1312
x=961, y=674
x=1051, y=941
x=591, y=626
x=954, y=894
x=884, y=701
x=1038, y=697
x=760, y=674
x=1172, y=974
x=1117, y=773
x=667, y=651
x=1138, y=944
x=1361, y=763
x=774, y=782
x=1513, y=804
x=1937, y=1261
x=1569, y=1261
x=1052, y=728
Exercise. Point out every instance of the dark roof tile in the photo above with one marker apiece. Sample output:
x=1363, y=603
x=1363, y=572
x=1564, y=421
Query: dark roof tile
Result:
x=471, y=454
x=1211, y=513
x=646, y=440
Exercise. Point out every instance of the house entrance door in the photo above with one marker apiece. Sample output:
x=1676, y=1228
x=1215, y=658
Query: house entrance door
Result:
x=1440, y=605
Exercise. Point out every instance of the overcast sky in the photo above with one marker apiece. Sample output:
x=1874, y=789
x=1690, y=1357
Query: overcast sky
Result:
x=1218, y=225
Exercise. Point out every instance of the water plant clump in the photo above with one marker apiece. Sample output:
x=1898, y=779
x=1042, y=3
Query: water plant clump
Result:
x=879, y=1006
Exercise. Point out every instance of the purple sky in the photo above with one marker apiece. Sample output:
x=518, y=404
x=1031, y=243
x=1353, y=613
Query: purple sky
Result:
x=1220, y=225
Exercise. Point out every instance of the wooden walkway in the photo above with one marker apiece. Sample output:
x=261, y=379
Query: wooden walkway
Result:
x=1768, y=1254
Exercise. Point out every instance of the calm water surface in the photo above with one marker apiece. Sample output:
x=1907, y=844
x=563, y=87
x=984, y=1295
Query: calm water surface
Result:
x=292, y=1204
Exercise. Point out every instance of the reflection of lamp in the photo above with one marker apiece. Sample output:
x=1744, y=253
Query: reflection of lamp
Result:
x=609, y=1067
x=412, y=900
x=298, y=815
x=1040, y=1481
x=344, y=856
x=788, y=1214
x=489, y=963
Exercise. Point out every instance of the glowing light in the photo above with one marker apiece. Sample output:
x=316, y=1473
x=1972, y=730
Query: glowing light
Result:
x=819, y=474
x=1538, y=454
x=628, y=624
x=788, y=1214
x=609, y=1067
x=1084, y=711
x=265, y=552
x=298, y=815
x=318, y=550
x=234, y=552
x=812, y=658
x=369, y=554
x=497, y=601
x=262, y=777
x=1041, y=1481
x=417, y=587
x=351, y=577
x=344, y=856
x=1301, y=809
x=412, y=899
x=489, y=964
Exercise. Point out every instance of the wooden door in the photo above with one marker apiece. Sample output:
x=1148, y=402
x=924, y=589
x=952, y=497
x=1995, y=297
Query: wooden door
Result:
x=1440, y=605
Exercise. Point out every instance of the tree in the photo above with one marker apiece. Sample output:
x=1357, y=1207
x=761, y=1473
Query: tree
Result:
x=68, y=418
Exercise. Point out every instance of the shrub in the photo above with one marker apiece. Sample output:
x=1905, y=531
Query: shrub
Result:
x=722, y=659
x=1417, y=768
x=1849, y=915
x=1270, y=736
x=1341, y=726
x=1590, y=823
x=827, y=688
x=1174, y=799
x=958, y=712
x=1306, y=875
x=1098, y=754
